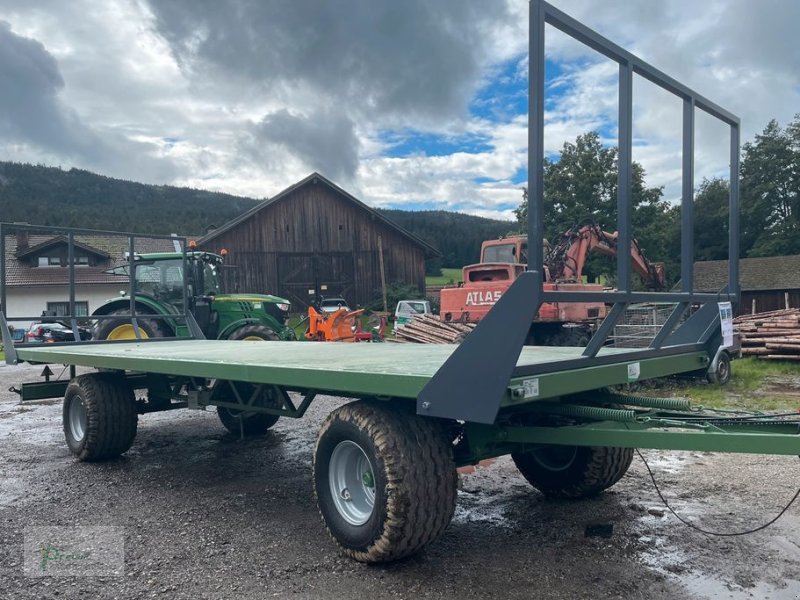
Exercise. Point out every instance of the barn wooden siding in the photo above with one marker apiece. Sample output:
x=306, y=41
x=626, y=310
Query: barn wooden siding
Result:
x=314, y=236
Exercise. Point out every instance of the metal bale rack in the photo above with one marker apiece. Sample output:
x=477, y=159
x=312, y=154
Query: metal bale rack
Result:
x=385, y=464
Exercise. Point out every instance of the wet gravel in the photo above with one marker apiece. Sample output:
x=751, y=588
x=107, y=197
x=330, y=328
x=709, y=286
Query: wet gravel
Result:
x=206, y=515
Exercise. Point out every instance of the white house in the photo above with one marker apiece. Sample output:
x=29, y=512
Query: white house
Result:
x=37, y=277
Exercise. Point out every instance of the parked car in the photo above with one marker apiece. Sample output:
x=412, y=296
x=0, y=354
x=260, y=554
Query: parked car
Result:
x=332, y=304
x=408, y=309
x=53, y=331
x=17, y=334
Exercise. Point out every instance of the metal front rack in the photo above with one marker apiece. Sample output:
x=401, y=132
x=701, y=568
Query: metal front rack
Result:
x=470, y=384
x=70, y=234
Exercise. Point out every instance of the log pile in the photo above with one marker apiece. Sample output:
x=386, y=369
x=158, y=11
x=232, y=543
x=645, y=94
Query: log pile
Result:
x=771, y=335
x=428, y=329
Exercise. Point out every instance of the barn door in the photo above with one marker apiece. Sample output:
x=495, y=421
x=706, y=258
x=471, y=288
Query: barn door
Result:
x=335, y=275
x=296, y=278
x=304, y=277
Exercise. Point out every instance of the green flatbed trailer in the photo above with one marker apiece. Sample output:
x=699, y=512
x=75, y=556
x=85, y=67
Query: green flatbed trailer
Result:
x=384, y=465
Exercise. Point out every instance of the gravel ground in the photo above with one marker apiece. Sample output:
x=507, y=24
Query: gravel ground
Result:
x=206, y=515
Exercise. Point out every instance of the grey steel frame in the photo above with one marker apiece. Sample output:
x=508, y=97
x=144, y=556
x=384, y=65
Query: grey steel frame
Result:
x=470, y=385
x=70, y=233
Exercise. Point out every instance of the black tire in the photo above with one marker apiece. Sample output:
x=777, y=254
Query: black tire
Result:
x=249, y=424
x=721, y=375
x=412, y=473
x=573, y=471
x=152, y=328
x=253, y=332
x=109, y=408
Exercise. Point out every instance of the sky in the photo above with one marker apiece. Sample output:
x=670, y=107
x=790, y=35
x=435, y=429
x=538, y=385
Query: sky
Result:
x=413, y=104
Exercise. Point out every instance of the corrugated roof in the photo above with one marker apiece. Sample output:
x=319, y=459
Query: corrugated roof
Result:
x=314, y=177
x=768, y=273
x=19, y=273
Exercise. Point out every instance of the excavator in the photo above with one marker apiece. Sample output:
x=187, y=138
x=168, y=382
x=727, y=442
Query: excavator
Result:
x=556, y=324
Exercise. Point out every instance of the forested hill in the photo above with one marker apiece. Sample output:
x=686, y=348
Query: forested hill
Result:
x=458, y=236
x=75, y=198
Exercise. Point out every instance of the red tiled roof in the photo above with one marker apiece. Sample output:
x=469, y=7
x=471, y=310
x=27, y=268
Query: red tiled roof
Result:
x=20, y=274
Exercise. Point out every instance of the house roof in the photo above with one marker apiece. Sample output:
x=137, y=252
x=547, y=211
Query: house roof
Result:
x=317, y=178
x=58, y=241
x=112, y=248
x=768, y=273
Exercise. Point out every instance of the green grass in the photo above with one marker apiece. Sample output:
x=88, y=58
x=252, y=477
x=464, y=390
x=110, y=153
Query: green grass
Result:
x=2, y=355
x=448, y=276
x=754, y=385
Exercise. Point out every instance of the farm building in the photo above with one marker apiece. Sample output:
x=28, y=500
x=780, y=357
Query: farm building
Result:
x=315, y=239
x=769, y=283
x=37, y=277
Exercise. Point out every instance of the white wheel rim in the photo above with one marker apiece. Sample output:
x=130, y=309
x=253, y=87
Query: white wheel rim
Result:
x=77, y=418
x=352, y=483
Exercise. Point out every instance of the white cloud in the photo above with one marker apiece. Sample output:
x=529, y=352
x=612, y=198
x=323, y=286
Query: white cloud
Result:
x=250, y=100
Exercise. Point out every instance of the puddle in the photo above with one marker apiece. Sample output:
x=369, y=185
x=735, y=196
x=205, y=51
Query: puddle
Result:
x=704, y=586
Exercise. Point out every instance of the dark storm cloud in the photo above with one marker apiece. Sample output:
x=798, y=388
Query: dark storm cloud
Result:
x=417, y=57
x=324, y=141
x=29, y=107
x=33, y=114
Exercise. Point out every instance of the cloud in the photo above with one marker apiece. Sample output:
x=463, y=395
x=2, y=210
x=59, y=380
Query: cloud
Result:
x=325, y=141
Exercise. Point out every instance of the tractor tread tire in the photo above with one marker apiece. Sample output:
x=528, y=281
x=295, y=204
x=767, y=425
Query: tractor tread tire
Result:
x=416, y=480
x=262, y=331
x=595, y=469
x=111, y=416
x=154, y=328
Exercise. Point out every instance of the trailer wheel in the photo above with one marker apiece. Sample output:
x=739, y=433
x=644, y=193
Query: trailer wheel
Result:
x=721, y=375
x=99, y=416
x=122, y=329
x=237, y=421
x=573, y=471
x=385, y=481
x=254, y=333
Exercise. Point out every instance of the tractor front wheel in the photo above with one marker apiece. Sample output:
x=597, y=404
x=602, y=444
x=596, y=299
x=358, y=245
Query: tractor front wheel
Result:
x=257, y=333
x=385, y=481
x=573, y=471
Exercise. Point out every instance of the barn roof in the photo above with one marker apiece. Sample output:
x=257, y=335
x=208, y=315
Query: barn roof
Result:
x=768, y=273
x=317, y=178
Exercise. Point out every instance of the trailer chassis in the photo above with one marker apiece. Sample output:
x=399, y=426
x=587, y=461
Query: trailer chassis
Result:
x=384, y=466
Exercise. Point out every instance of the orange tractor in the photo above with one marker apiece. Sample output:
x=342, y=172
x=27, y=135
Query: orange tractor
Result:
x=557, y=323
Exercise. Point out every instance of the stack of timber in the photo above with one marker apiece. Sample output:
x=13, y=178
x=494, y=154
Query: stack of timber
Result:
x=771, y=335
x=428, y=329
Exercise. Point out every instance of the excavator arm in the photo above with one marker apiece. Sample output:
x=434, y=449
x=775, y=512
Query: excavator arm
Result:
x=568, y=256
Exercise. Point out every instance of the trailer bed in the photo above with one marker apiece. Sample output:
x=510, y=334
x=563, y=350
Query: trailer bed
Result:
x=396, y=370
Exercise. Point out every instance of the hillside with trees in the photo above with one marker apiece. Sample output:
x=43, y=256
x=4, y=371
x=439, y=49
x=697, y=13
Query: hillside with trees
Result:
x=42, y=195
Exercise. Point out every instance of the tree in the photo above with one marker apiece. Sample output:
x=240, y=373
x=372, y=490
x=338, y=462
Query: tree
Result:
x=581, y=185
x=770, y=174
x=711, y=220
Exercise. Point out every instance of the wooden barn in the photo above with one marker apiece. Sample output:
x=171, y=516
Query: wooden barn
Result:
x=769, y=283
x=315, y=239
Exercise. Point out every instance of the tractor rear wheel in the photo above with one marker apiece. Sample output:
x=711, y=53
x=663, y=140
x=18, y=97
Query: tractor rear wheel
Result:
x=254, y=333
x=122, y=329
x=573, y=471
x=385, y=481
x=99, y=416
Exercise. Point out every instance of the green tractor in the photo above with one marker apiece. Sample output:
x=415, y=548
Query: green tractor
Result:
x=159, y=282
